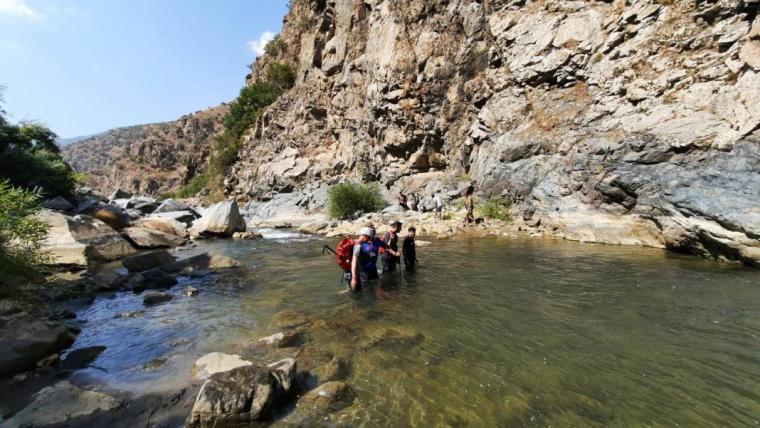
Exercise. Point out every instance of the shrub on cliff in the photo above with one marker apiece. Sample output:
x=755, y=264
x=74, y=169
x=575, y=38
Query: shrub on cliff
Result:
x=246, y=107
x=21, y=234
x=345, y=199
x=282, y=74
x=275, y=46
x=495, y=207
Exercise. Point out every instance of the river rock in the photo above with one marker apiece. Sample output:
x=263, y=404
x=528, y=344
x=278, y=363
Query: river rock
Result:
x=77, y=240
x=222, y=219
x=24, y=340
x=156, y=279
x=172, y=205
x=156, y=297
x=289, y=318
x=185, y=217
x=328, y=397
x=165, y=225
x=106, y=281
x=336, y=369
x=119, y=194
x=146, y=261
x=217, y=362
x=281, y=340
x=60, y=403
x=144, y=204
x=59, y=203
x=144, y=237
x=240, y=396
x=246, y=235
x=80, y=358
x=191, y=291
x=111, y=215
x=202, y=261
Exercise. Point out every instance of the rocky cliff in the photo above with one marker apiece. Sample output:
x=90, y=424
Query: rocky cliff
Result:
x=629, y=122
x=148, y=159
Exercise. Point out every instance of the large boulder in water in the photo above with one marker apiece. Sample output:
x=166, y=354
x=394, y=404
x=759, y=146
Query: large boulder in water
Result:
x=24, y=340
x=165, y=225
x=240, y=396
x=144, y=237
x=222, y=219
x=78, y=239
x=217, y=362
x=60, y=403
x=147, y=261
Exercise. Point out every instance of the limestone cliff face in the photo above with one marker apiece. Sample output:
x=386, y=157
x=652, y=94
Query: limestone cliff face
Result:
x=148, y=159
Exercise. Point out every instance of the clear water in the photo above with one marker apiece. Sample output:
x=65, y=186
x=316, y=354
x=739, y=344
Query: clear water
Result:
x=496, y=332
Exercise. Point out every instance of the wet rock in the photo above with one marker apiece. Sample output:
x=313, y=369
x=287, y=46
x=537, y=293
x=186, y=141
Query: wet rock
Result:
x=172, y=205
x=328, y=397
x=336, y=369
x=184, y=217
x=130, y=314
x=242, y=395
x=154, y=363
x=246, y=235
x=9, y=307
x=281, y=340
x=24, y=340
x=155, y=297
x=191, y=291
x=146, y=261
x=202, y=261
x=119, y=194
x=311, y=357
x=48, y=361
x=111, y=215
x=59, y=203
x=105, y=281
x=77, y=240
x=156, y=279
x=290, y=319
x=60, y=403
x=144, y=237
x=222, y=219
x=217, y=362
x=81, y=358
x=395, y=338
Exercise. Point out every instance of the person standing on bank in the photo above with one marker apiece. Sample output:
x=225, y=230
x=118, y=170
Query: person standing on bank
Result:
x=470, y=205
x=392, y=256
x=438, y=205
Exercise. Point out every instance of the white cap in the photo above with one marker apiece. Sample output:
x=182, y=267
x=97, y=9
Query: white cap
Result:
x=367, y=231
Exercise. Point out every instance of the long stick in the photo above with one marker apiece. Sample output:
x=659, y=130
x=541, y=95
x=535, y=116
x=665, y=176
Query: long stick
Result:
x=329, y=249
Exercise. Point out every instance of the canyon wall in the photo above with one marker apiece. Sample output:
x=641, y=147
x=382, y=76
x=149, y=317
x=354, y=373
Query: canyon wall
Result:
x=628, y=122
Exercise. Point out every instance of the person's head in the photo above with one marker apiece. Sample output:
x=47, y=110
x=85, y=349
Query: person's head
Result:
x=396, y=226
x=366, y=233
x=411, y=232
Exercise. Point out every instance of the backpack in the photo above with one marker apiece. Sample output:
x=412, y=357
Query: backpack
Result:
x=344, y=252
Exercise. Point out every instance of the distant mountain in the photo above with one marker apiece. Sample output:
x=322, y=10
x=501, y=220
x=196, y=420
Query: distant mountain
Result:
x=63, y=142
x=147, y=159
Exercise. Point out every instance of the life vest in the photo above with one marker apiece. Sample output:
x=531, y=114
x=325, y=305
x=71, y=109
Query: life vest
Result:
x=368, y=256
x=344, y=252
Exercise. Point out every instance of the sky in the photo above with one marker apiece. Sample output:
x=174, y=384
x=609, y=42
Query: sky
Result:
x=86, y=66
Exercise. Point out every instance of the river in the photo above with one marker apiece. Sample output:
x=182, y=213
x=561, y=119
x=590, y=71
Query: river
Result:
x=487, y=332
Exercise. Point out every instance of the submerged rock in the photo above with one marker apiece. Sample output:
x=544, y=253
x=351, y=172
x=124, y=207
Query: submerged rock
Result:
x=155, y=297
x=81, y=358
x=281, y=340
x=328, y=397
x=336, y=369
x=77, y=240
x=191, y=291
x=222, y=219
x=60, y=403
x=217, y=362
x=25, y=340
x=202, y=261
x=290, y=319
x=156, y=279
x=105, y=281
x=146, y=261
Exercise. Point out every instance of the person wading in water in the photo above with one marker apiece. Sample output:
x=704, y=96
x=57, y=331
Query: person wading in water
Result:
x=364, y=260
x=392, y=257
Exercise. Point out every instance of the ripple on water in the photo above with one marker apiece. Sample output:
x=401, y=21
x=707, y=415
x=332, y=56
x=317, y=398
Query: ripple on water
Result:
x=487, y=332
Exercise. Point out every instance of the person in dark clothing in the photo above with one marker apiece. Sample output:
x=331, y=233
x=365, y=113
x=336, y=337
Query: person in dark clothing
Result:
x=415, y=202
x=392, y=256
x=409, y=249
x=402, y=201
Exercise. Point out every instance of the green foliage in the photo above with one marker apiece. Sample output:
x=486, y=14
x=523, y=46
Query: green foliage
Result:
x=246, y=107
x=281, y=74
x=345, y=199
x=195, y=185
x=275, y=46
x=21, y=234
x=495, y=208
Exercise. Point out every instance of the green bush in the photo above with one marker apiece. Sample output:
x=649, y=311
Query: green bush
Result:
x=282, y=74
x=345, y=199
x=21, y=234
x=495, y=208
x=246, y=107
x=195, y=185
x=275, y=46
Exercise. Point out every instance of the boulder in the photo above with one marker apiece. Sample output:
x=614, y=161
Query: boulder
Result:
x=60, y=403
x=217, y=362
x=25, y=340
x=78, y=239
x=222, y=219
x=81, y=358
x=147, y=261
x=119, y=194
x=144, y=237
x=246, y=235
x=281, y=340
x=109, y=214
x=122, y=203
x=191, y=291
x=105, y=281
x=165, y=225
x=202, y=261
x=171, y=205
x=240, y=396
x=143, y=204
x=328, y=397
x=59, y=203
x=186, y=217
x=155, y=279
x=155, y=297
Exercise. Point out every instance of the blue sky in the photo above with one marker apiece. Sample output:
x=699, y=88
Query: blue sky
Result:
x=85, y=66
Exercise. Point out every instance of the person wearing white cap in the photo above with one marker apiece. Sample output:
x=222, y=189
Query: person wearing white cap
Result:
x=364, y=260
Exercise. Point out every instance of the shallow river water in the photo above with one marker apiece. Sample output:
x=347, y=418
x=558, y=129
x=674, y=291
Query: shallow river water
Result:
x=487, y=332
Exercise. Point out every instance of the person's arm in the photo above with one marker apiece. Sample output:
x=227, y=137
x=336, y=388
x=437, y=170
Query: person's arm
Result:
x=354, y=271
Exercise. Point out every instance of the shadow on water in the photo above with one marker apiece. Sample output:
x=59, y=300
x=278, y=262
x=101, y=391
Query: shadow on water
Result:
x=486, y=332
